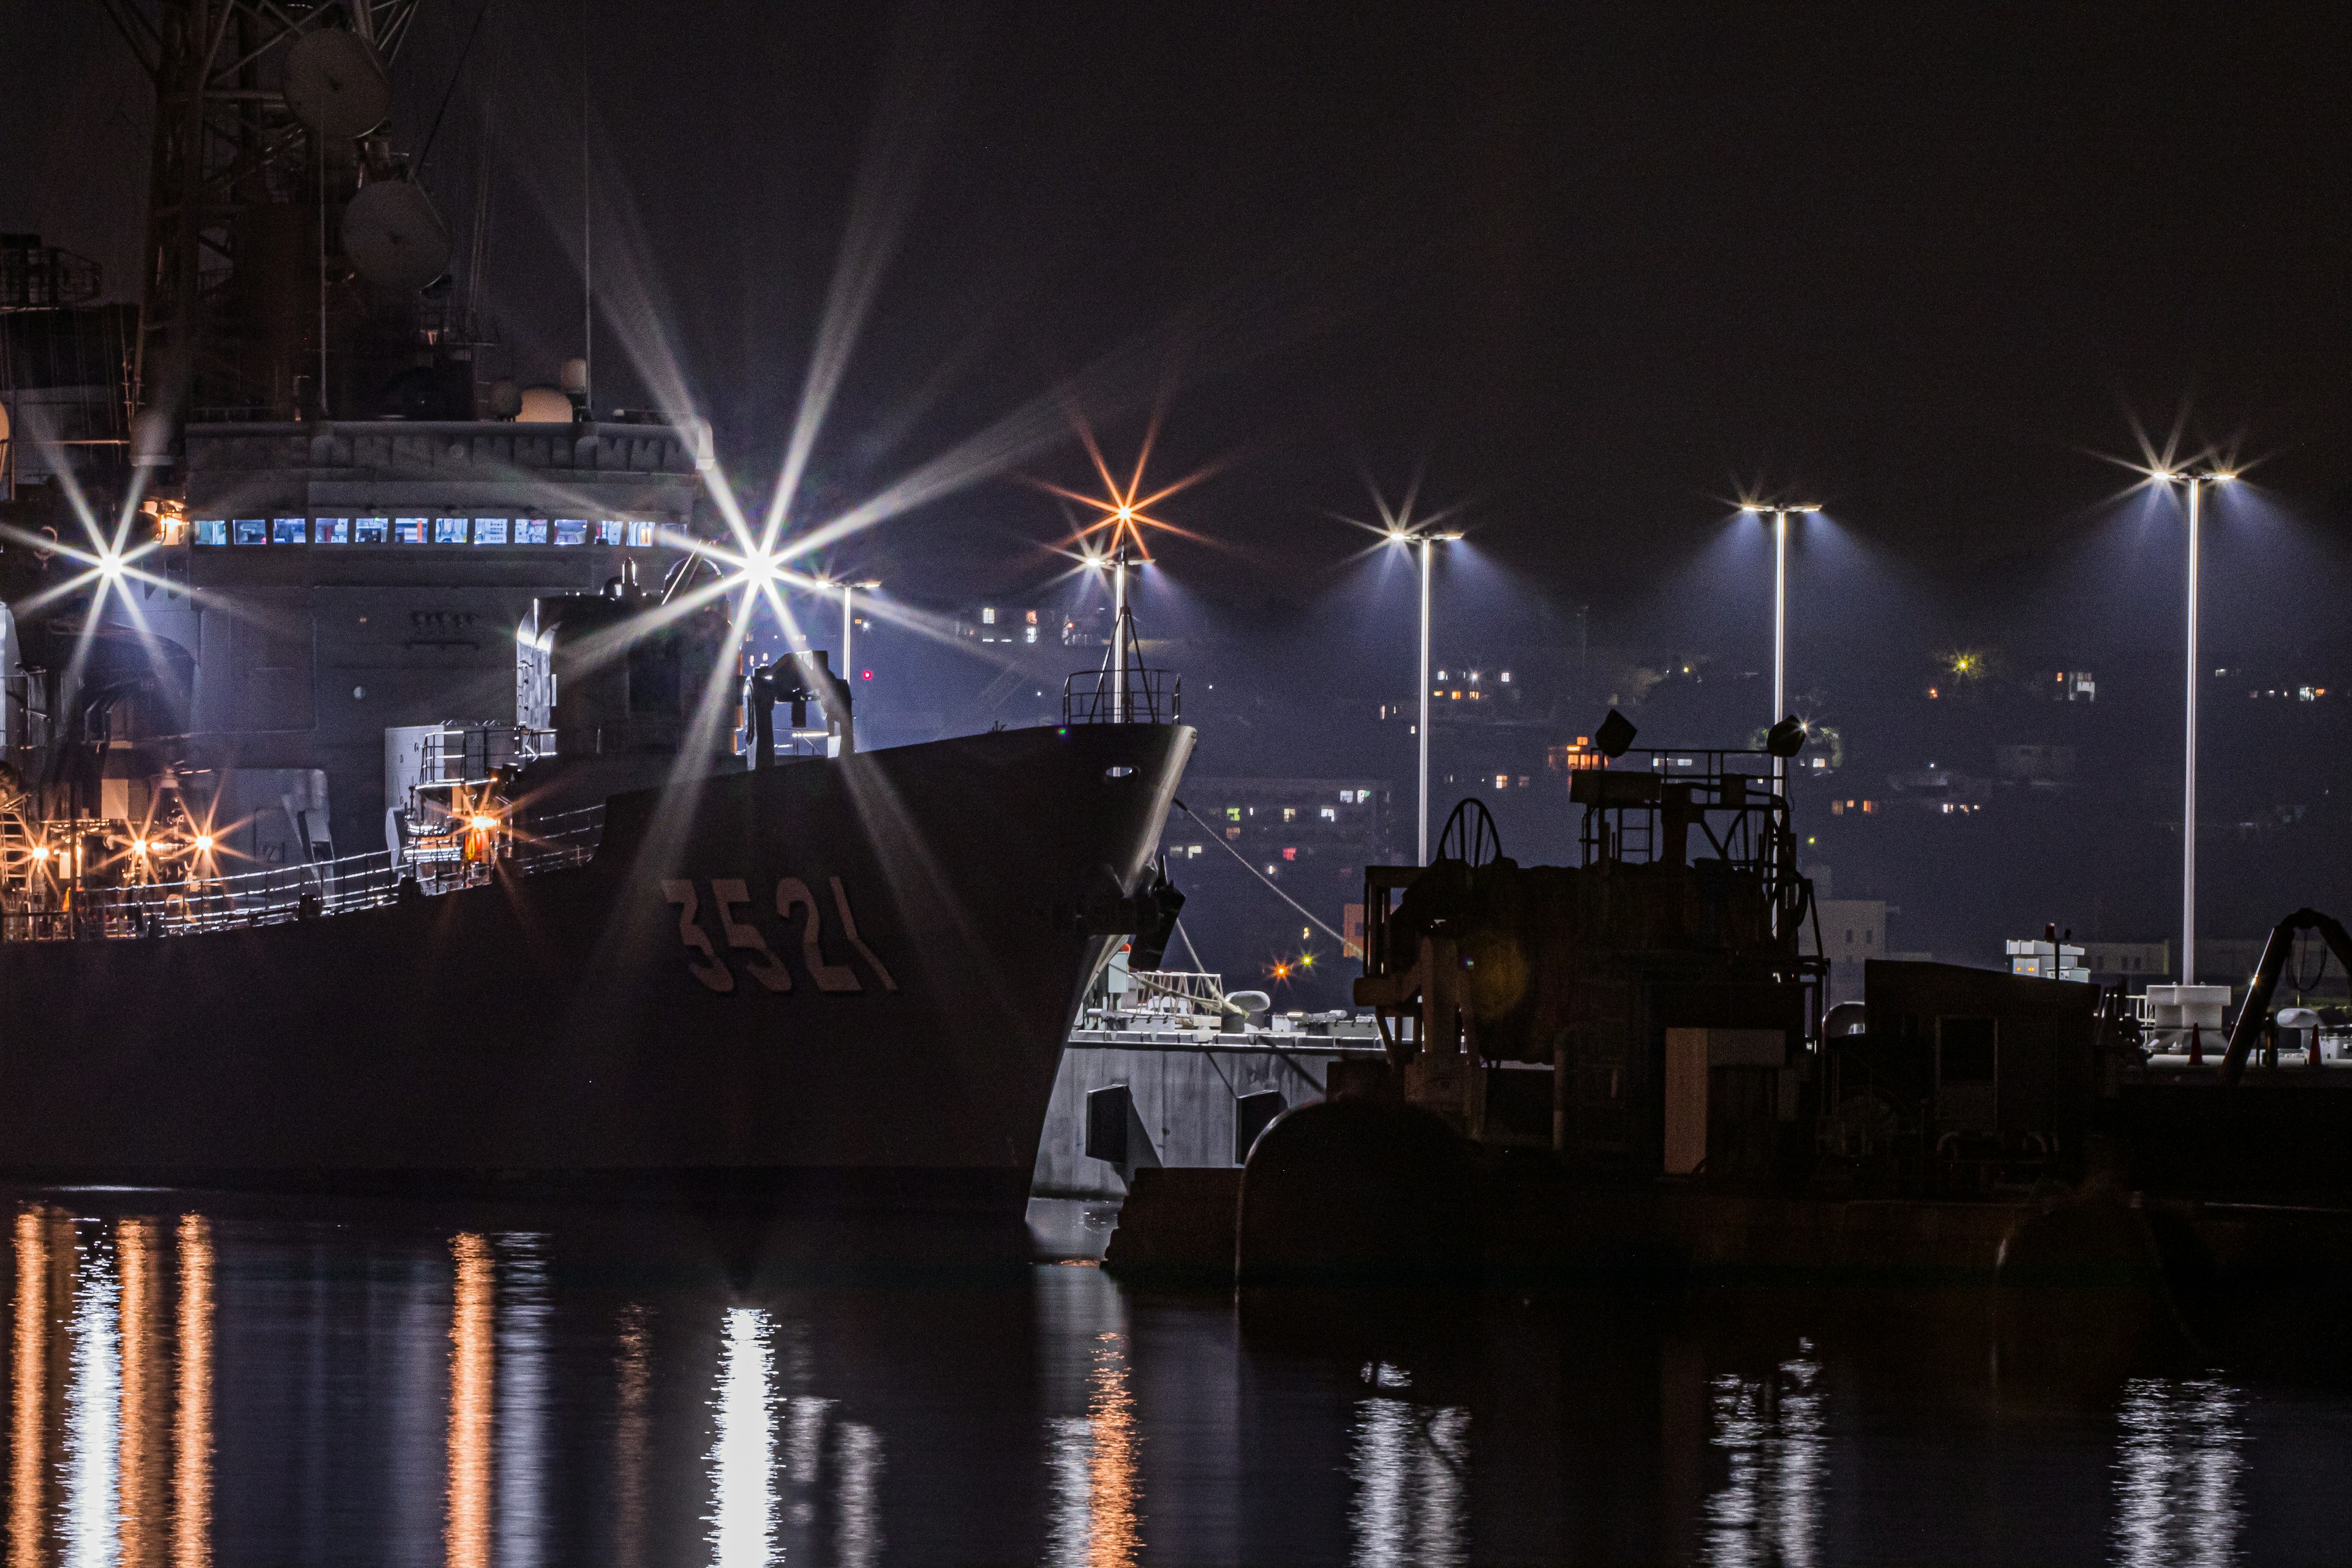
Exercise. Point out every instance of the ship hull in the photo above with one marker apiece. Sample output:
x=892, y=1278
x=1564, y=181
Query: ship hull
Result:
x=849, y=980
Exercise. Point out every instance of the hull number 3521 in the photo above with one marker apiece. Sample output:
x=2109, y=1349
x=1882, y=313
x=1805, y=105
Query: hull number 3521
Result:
x=733, y=899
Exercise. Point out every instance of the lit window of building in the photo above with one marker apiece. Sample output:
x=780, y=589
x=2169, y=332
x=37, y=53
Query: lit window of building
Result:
x=988, y=615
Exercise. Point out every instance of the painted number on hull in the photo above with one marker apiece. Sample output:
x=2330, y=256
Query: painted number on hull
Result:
x=729, y=895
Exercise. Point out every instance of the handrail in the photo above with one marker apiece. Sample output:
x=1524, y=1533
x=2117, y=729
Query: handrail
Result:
x=1146, y=697
x=311, y=890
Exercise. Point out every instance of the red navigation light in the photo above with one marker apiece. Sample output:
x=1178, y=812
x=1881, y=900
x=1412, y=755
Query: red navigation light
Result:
x=864, y=674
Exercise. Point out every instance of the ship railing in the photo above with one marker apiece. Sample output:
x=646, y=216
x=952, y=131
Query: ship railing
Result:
x=1148, y=697
x=313, y=889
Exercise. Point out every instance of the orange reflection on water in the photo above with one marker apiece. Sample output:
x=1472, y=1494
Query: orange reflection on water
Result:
x=1112, y=1542
x=140, y=1456
x=28, y=1387
x=191, y=1423
x=472, y=1367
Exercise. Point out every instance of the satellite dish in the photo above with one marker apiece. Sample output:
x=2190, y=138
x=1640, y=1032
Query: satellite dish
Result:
x=2298, y=1018
x=394, y=237
x=1247, y=1002
x=506, y=399
x=334, y=83
x=543, y=405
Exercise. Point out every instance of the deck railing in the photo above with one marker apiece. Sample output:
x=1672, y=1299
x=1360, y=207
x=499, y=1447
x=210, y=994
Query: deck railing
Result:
x=317, y=889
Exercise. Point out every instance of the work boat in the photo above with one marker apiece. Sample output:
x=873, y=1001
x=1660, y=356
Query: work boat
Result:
x=846, y=976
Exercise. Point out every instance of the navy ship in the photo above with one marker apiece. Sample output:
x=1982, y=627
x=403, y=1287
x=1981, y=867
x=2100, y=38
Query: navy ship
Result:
x=370, y=812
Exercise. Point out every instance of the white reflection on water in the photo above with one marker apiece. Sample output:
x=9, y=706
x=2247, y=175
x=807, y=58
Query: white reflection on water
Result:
x=92, y=1414
x=1409, y=1464
x=742, y=1515
x=522, y=1399
x=1772, y=1430
x=2177, y=1471
x=858, y=1543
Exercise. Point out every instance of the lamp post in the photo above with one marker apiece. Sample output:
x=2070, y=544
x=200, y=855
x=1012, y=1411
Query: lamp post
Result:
x=1428, y=542
x=1118, y=565
x=1779, y=512
x=849, y=619
x=2196, y=480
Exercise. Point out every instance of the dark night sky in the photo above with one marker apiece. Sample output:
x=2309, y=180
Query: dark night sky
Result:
x=1595, y=266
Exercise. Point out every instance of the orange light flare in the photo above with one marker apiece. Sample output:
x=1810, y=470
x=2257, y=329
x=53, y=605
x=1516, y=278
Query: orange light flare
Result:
x=1124, y=508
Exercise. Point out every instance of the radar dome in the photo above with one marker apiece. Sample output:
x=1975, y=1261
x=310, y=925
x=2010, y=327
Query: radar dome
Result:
x=543, y=405
x=394, y=237
x=505, y=400
x=574, y=377
x=335, y=84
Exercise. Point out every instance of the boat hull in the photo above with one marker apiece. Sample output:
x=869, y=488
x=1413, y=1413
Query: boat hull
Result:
x=850, y=978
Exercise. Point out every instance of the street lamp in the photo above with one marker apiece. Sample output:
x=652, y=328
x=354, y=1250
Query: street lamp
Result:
x=1780, y=512
x=2196, y=480
x=849, y=618
x=1428, y=542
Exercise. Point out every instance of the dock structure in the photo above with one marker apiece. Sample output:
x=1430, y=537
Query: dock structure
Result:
x=1166, y=1070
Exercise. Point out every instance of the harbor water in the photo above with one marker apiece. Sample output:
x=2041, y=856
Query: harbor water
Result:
x=197, y=1379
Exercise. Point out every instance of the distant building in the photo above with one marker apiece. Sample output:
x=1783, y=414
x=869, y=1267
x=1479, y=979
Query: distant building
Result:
x=2135, y=963
x=1309, y=837
x=1853, y=931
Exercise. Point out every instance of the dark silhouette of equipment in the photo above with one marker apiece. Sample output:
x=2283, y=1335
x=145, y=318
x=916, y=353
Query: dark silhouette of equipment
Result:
x=1150, y=949
x=808, y=678
x=1786, y=738
x=1615, y=734
x=2254, y=1016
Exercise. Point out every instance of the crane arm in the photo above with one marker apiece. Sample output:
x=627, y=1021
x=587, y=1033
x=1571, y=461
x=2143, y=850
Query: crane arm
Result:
x=2275, y=952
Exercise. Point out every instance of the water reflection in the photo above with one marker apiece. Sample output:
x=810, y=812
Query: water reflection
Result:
x=472, y=1365
x=521, y=1403
x=1770, y=1430
x=742, y=1515
x=2177, y=1472
x=28, y=1389
x=144, y=1387
x=858, y=1542
x=1410, y=1463
x=435, y=1389
x=191, y=1423
x=1096, y=1502
x=91, y=1414
x=631, y=1429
